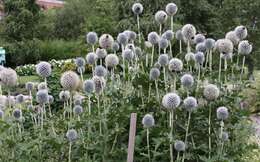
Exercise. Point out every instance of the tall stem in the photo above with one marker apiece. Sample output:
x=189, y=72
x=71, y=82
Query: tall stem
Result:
x=152, y=56
x=210, y=60
x=138, y=26
x=148, y=146
x=172, y=23
x=70, y=151
x=219, y=69
x=242, y=70
x=165, y=79
x=186, y=135
x=157, y=90
x=171, y=134
x=180, y=46
x=209, y=131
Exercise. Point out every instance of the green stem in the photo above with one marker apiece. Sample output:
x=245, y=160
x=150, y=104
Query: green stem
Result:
x=242, y=70
x=152, y=56
x=148, y=146
x=186, y=135
x=70, y=151
x=219, y=69
x=171, y=134
x=157, y=90
x=138, y=26
x=209, y=131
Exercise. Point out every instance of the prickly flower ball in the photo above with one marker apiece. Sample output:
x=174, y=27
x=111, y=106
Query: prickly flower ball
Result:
x=210, y=43
x=88, y=86
x=42, y=96
x=69, y=80
x=8, y=77
x=187, y=80
x=42, y=85
x=91, y=58
x=43, y=69
x=111, y=60
x=72, y=135
x=163, y=59
x=171, y=101
x=128, y=54
x=169, y=35
x=224, y=46
x=175, y=65
x=163, y=43
x=99, y=84
x=154, y=74
x=188, y=32
x=160, y=17
x=29, y=86
x=64, y=95
x=244, y=48
x=131, y=35
x=100, y=71
x=148, y=121
x=190, y=104
x=137, y=8
x=179, y=35
x=200, y=47
x=77, y=110
x=20, y=98
x=211, y=92
x=199, y=57
x=199, y=38
x=17, y=113
x=222, y=113
x=106, y=41
x=233, y=37
x=79, y=61
x=153, y=38
x=171, y=9
x=115, y=46
x=92, y=38
x=241, y=32
x=101, y=53
x=179, y=146
x=122, y=38
x=190, y=56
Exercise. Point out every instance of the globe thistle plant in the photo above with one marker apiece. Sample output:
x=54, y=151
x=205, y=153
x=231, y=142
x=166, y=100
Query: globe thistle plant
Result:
x=137, y=9
x=92, y=38
x=43, y=69
x=160, y=18
x=122, y=39
x=17, y=114
x=29, y=86
x=72, y=136
x=179, y=36
x=154, y=75
x=111, y=60
x=163, y=44
x=187, y=81
x=106, y=41
x=20, y=98
x=8, y=77
x=42, y=97
x=175, y=65
x=91, y=58
x=42, y=86
x=188, y=32
x=222, y=113
x=77, y=110
x=115, y=47
x=199, y=38
x=244, y=48
x=64, y=96
x=99, y=83
x=241, y=32
x=200, y=47
x=171, y=101
x=211, y=92
x=232, y=37
x=100, y=71
x=179, y=146
x=69, y=80
x=79, y=61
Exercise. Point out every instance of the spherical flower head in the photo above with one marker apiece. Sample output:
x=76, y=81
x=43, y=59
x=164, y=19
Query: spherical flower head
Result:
x=138, y=51
x=190, y=103
x=131, y=35
x=122, y=38
x=163, y=59
x=100, y=71
x=211, y=92
x=222, y=113
x=92, y=38
x=69, y=80
x=30, y=107
x=154, y=74
x=8, y=77
x=224, y=46
x=175, y=65
x=148, y=121
x=199, y=38
x=171, y=9
x=42, y=85
x=101, y=53
x=91, y=58
x=80, y=61
x=137, y=8
x=190, y=56
x=17, y=114
x=241, y=32
x=19, y=98
x=168, y=35
x=106, y=41
x=187, y=80
x=50, y=99
x=77, y=101
x=225, y=136
x=160, y=17
x=128, y=54
x=111, y=60
x=42, y=96
x=232, y=37
x=179, y=146
x=64, y=95
x=72, y=135
x=99, y=84
x=179, y=35
x=200, y=47
x=130, y=46
x=244, y=48
x=43, y=69
x=163, y=43
x=199, y=57
x=210, y=43
x=188, y=32
x=153, y=38
x=1, y=114
x=29, y=86
x=171, y=101
x=77, y=110
x=115, y=46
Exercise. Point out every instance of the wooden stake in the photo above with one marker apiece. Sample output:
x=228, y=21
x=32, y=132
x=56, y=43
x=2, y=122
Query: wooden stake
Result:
x=131, y=142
